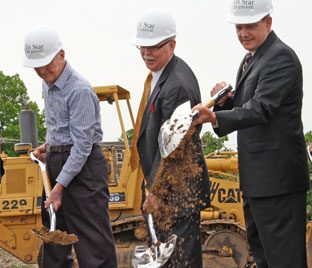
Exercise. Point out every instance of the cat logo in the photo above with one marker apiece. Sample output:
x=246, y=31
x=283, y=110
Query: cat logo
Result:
x=224, y=195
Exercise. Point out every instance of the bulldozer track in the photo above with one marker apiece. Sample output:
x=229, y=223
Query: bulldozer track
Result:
x=226, y=235
x=127, y=224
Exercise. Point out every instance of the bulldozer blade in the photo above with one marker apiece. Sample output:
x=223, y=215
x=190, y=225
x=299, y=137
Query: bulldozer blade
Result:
x=155, y=256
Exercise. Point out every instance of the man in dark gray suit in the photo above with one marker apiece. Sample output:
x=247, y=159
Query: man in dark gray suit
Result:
x=172, y=84
x=266, y=112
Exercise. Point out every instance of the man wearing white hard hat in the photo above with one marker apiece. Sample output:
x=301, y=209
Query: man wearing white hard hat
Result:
x=170, y=83
x=265, y=110
x=75, y=162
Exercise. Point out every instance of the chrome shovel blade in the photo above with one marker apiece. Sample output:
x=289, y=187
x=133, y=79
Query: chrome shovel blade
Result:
x=174, y=129
x=155, y=256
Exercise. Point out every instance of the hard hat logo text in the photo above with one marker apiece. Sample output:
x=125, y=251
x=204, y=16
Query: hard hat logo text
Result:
x=244, y=4
x=145, y=27
x=30, y=49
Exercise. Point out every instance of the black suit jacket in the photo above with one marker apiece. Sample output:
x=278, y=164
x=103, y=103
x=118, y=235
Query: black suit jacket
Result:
x=1, y=169
x=176, y=85
x=266, y=111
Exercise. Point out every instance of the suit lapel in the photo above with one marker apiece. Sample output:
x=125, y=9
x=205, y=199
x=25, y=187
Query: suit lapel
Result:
x=260, y=51
x=154, y=95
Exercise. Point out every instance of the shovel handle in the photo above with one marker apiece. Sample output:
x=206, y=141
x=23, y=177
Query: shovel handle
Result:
x=46, y=183
x=222, y=93
x=151, y=228
x=44, y=173
x=209, y=104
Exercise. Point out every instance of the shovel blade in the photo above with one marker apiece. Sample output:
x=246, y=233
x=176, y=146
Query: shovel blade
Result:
x=154, y=257
x=173, y=130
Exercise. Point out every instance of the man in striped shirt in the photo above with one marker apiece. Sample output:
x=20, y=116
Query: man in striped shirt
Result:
x=75, y=162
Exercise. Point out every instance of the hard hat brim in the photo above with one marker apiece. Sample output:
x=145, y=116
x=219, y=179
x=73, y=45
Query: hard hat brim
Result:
x=36, y=63
x=143, y=42
x=247, y=19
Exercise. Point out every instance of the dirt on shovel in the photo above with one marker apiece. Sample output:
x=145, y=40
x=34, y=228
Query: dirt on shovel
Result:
x=57, y=237
x=173, y=179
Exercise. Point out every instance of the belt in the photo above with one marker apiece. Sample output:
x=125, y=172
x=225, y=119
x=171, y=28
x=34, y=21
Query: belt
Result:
x=63, y=148
x=58, y=148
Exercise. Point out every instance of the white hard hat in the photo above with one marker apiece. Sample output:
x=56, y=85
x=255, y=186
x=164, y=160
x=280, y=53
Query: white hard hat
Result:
x=249, y=11
x=41, y=46
x=154, y=26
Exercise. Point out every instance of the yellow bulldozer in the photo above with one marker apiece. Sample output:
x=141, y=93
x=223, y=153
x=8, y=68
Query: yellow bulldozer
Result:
x=223, y=227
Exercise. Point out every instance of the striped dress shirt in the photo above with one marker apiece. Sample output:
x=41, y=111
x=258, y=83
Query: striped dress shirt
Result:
x=73, y=117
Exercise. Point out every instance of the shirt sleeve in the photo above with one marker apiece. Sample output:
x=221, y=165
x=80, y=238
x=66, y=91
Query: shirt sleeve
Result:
x=82, y=122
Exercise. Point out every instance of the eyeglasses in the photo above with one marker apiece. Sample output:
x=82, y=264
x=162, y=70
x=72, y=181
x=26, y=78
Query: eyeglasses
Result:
x=154, y=48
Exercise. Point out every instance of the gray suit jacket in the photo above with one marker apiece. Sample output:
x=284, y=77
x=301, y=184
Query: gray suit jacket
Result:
x=176, y=85
x=266, y=111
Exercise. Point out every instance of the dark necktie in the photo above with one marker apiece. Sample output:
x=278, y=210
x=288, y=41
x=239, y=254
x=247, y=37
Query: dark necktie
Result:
x=247, y=59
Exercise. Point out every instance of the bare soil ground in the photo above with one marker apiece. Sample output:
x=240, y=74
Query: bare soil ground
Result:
x=7, y=260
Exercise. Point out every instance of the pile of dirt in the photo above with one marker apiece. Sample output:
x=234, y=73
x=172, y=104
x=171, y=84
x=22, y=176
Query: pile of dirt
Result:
x=57, y=238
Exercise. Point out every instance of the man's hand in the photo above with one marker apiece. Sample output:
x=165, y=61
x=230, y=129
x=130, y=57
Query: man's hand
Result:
x=205, y=115
x=151, y=203
x=216, y=89
x=55, y=197
x=39, y=152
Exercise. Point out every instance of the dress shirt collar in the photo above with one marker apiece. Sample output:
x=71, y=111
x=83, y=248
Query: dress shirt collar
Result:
x=61, y=81
x=156, y=76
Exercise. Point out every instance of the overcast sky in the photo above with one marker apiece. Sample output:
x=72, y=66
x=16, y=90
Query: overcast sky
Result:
x=96, y=36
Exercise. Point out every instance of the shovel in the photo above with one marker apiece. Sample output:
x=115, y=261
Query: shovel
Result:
x=174, y=129
x=51, y=235
x=155, y=256
x=47, y=189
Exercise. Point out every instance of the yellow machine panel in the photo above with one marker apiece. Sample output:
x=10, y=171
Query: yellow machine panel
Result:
x=20, y=199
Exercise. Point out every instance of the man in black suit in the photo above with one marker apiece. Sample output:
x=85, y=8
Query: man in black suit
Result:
x=266, y=112
x=1, y=169
x=172, y=84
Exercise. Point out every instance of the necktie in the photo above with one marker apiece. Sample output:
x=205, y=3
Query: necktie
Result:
x=134, y=158
x=247, y=59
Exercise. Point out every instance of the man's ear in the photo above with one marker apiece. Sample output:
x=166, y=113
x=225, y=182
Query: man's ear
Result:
x=268, y=21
